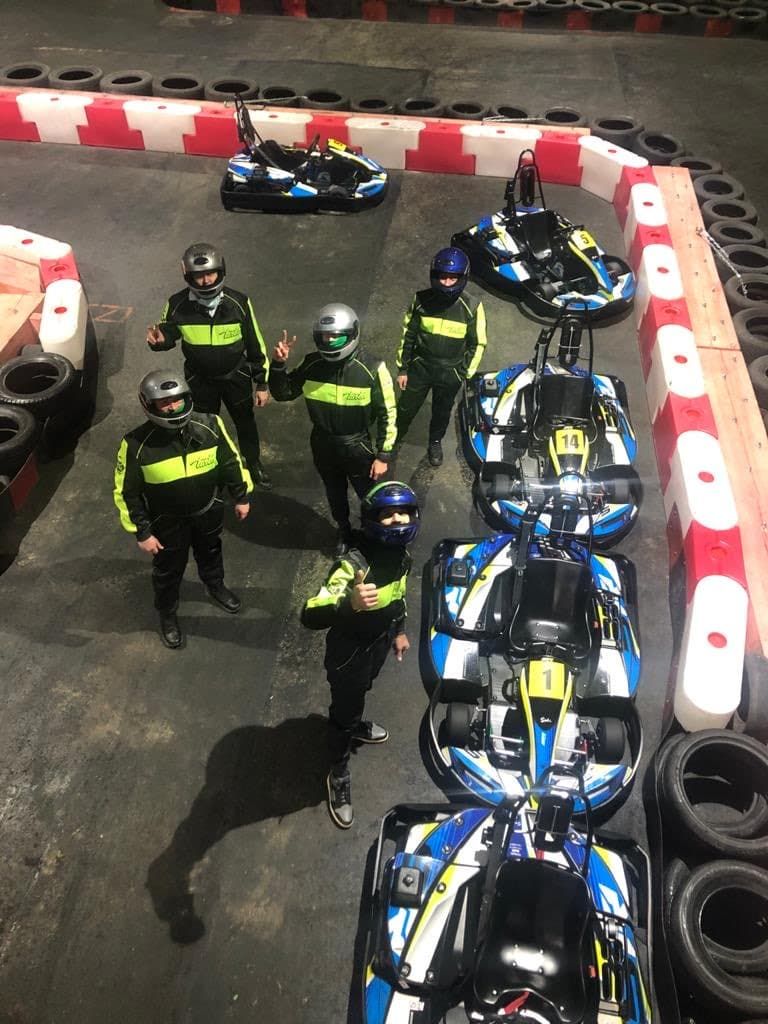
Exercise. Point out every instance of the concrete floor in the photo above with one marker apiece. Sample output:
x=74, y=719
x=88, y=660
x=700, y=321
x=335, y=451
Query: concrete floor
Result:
x=135, y=781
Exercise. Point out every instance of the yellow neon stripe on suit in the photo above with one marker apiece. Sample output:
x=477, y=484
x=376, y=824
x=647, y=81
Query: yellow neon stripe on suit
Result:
x=448, y=328
x=122, y=508
x=211, y=334
x=482, y=341
x=336, y=394
x=388, y=394
x=244, y=472
x=175, y=468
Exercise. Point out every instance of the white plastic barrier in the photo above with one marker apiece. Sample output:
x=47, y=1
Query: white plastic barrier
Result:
x=646, y=207
x=698, y=485
x=658, y=277
x=284, y=126
x=162, y=123
x=29, y=247
x=602, y=163
x=57, y=115
x=64, y=320
x=497, y=147
x=708, y=685
x=675, y=368
x=385, y=139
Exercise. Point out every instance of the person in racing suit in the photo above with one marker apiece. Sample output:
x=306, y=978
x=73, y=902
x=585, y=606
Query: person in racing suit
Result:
x=442, y=344
x=168, y=479
x=362, y=605
x=225, y=358
x=347, y=392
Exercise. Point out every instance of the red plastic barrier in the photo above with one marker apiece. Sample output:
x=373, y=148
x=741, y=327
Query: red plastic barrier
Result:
x=12, y=126
x=374, y=10
x=440, y=151
x=107, y=126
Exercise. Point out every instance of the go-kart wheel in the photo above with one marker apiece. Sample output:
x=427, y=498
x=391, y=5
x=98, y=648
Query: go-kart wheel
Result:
x=611, y=740
x=616, y=267
x=458, y=717
x=547, y=290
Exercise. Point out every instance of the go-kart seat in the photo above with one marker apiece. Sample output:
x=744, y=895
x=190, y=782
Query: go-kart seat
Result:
x=538, y=233
x=286, y=160
x=535, y=939
x=554, y=609
x=564, y=396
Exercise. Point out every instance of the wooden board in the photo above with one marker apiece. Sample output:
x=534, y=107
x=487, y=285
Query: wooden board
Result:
x=15, y=326
x=17, y=277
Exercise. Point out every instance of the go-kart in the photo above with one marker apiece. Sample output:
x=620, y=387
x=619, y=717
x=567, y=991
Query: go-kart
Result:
x=557, y=426
x=538, y=256
x=532, y=651
x=266, y=175
x=507, y=914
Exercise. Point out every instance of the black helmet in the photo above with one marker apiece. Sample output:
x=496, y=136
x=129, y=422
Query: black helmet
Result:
x=390, y=496
x=450, y=262
x=202, y=258
x=336, y=331
x=165, y=384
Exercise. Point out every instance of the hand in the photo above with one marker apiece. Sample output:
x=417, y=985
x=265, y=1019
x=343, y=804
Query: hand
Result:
x=283, y=348
x=401, y=645
x=241, y=510
x=150, y=546
x=364, y=595
x=402, y=381
x=378, y=469
x=154, y=335
x=261, y=396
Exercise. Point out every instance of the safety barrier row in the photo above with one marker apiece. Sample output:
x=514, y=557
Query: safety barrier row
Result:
x=703, y=527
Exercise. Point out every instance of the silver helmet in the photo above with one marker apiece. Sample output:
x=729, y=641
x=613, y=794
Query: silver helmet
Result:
x=161, y=384
x=202, y=258
x=336, y=331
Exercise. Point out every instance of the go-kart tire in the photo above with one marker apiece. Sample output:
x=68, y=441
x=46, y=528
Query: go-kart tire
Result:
x=712, y=985
x=127, y=83
x=622, y=484
x=179, y=86
x=753, y=708
x=506, y=110
x=746, y=259
x=458, y=717
x=467, y=110
x=728, y=209
x=40, y=384
x=280, y=96
x=620, y=129
x=758, y=376
x=568, y=116
x=616, y=265
x=751, y=326
x=371, y=105
x=25, y=74
x=421, y=106
x=227, y=88
x=19, y=433
x=717, y=186
x=86, y=78
x=696, y=165
x=611, y=741
x=742, y=838
x=736, y=232
x=749, y=292
x=658, y=148
x=324, y=99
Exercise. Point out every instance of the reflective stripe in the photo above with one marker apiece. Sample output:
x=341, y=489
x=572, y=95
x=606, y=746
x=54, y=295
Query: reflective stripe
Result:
x=335, y=587
x=125, y=519
x=482, y=340
x=244, y=472
x=448, y=328
x=175, y=468
x=332, y=394
x=390, y=406
x=260, y=339
x=211, y=334
x=391, y=592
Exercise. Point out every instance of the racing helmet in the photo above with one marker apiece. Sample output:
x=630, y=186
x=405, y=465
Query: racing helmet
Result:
x=165, y=384
x=336, y=331
x=202, y=258
x=451, y=262
x=389, y=497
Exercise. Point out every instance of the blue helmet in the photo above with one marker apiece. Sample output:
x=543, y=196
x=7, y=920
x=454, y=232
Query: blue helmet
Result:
x=389, y=497
x=449, y=262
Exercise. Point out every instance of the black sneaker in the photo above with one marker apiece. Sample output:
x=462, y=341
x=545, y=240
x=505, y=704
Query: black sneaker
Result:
x=170, y=630
x=370, y=732
x=340, y=799
x=343, y=541
x=224, y=598
x=260, y=476
x=435, y=453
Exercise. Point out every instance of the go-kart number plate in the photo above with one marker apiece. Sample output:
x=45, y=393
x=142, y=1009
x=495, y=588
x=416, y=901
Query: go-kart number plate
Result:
x=582, y=239
x=335, y=144
x=546, y=679
x=570, y=441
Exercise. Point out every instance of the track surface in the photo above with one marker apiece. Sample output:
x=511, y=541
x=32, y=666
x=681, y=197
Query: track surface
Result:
x=135, y=781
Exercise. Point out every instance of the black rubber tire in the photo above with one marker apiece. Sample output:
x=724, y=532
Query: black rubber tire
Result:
x=567, y=117
x=717, y=186
x=616, y=265
x=25, y=74
x=758, y=375
x=508, y=111
x=19, y=432
x=734, y=232
x=670, y=11
x=675, y=874
x=280, y=96
x=421, y=106
x=371, y=105
x=622, y=483
x=747, y=18
x=658, y=148
x=697, y=165
x=467, y=110
x=179, y=86
x=747, y=259
x=753, y=709
x=222, y=89
x=84, y=77
x=620, y=129
x=712, y=985
x=40, y=384
x=728, y=209
x=127, y=83
x=744, y=838
x=550, y=7
x=707, y=12
x=324, y=99
x=751, y=326
x=611, y=741
x=592, y=7
x=747, y=293
x=457, y=719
